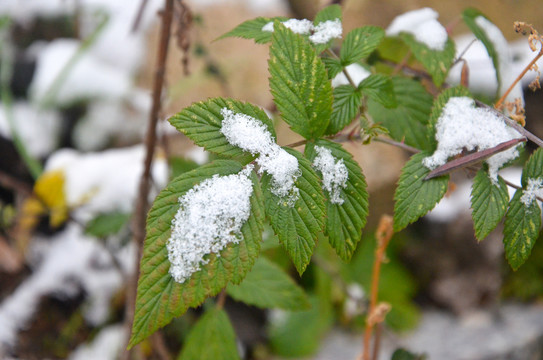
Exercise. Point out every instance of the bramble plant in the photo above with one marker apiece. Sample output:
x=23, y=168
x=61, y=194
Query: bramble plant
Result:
x=204, y=230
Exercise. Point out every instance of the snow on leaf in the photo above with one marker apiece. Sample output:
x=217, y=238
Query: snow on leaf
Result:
x=345, y=219
x=461, y=125
x=423, y=25
x=210, y=217
x=160, y=298
x=251, y=135
x=297, y=226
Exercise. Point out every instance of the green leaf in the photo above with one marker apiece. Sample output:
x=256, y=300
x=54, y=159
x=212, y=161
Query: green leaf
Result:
x=344, y=222
x=533, y=168
x=402, y=354
x=298, y=226
x=299, y=83
x=300, y=333
x=347, y=101
x=439, y=104
x=360, y=43
x=333, y=66
x=415, y=196
x=252, y=29
x=107, y=224
x=180, y=165
x=212, y=338
x=202, y=122
x=159, y=297
x=521, y=229
x=380, y=88
x=469, y=15
x=268, y=286
x=331, y=12
x=489, y=203
x=436, y=62
x=406, y=122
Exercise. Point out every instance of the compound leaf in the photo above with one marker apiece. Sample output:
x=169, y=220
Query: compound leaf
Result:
x=297, y=226
x=106, y=224
x=202, y=122
x=415, y=196
x=252, y=29
x=299, y=83
x=406, y=122
x=333, y=66
x=331, y=12
x=521, y=229
x=360, y=43
x=347, y=101
x=489, y=203
x=344, y=222
x=268, y=286
x=160, y=298
x=212, y=338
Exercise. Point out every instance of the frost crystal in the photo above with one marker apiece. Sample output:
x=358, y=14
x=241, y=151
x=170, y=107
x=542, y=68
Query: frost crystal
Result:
x=507, y=74
x=334, y=173
x=534, y=188
x=423, y=25
x=321, y=34
x=252, y=135
x=209, y=218
x=463, y=126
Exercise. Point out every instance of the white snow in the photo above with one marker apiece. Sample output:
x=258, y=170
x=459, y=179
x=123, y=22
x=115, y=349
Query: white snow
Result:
x=209, y=218
x=320, y=34
x=105, y=346
x=38, y=128
x=252, y=135
x=89, y=78
x=533, y=189
x=68, y=260
x=504, y=58
x=423, y=25
x=326, y=31
x=355, y=71
x=105, y=181
x=334, y=173
x=463, y=126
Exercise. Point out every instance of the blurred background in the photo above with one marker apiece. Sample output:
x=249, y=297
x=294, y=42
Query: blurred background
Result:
x=76, y=79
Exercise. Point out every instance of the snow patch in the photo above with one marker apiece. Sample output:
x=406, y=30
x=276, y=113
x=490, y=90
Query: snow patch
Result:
x=209, y=218
x=105, y=181
x=423, y=25
x=355, y=71
x=334, y=173
x=89, y=78
x=252, y=135
x=505, y=67
x=105, y=346
x=320, y=34
x=68, y=260
x=534, y=189
x=461, y=125
x=39, y=129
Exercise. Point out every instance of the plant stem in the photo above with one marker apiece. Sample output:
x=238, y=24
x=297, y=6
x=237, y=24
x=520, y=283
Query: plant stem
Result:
x=383, y=235
x=515, y=125
x=345, y=72
x=521, y=75
x=144, y=185
x=221, y=299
